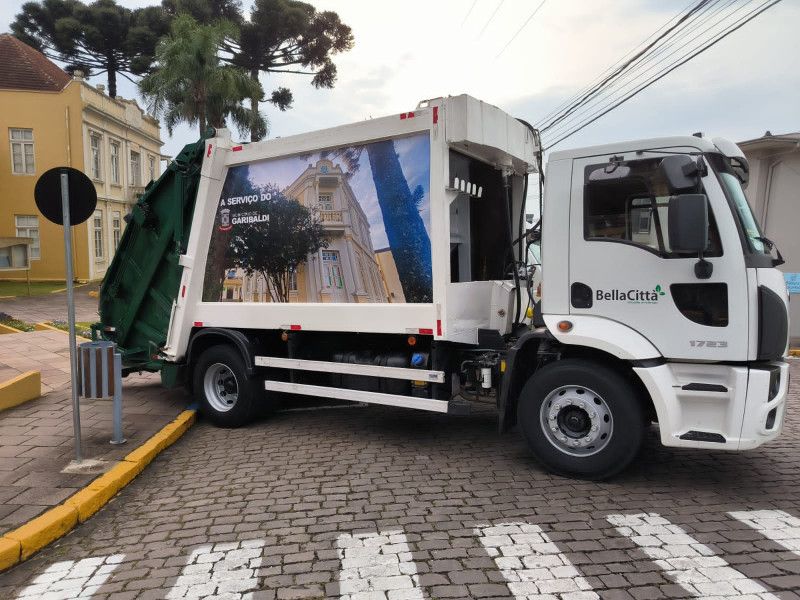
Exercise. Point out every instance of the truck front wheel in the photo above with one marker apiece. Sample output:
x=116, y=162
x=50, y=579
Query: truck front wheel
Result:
x=227, y=395
x=581, y=418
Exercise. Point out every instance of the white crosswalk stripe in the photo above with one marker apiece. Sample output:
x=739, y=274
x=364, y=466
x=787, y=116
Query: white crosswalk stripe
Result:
x=377, y=566
x=776, y=525
x=533, y=566
x=71, y=579
x=685, y=560
x=224, y=570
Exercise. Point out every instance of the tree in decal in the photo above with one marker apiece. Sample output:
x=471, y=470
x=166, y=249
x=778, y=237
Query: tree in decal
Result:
x=274, y=248
x=405, y=230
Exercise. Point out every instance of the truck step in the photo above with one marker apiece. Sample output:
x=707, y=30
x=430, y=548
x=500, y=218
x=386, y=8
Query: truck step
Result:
x=323, y=391
x=351, y=369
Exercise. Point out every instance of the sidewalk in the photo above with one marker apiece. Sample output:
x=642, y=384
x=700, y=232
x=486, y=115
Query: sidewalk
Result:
x=50, y=307
x=36, y=438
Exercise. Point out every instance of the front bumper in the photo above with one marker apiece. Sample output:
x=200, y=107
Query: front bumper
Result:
x=718, y=406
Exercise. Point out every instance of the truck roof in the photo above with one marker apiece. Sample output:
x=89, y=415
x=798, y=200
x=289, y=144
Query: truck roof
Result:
x=702, y=144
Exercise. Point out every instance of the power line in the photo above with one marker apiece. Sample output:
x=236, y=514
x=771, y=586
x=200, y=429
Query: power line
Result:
x=499, y=4
x=752, y=15
x=469, y=12
x=513, y=37
x=591, y=84
x=635, y=74
x=624, y=66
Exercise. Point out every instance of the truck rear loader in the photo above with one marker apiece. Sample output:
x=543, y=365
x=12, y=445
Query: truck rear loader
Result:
x=386, y=262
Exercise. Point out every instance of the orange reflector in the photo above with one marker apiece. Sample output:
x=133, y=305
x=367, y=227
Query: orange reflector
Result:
x=412, y=341
x=564, y=326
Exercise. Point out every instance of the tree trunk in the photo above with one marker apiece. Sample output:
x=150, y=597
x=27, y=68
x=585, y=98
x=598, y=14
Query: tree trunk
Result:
x=112, y=76
x=408, y=239
x=255, y=134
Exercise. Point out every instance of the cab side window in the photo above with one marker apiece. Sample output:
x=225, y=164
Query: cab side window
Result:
x=628, y=202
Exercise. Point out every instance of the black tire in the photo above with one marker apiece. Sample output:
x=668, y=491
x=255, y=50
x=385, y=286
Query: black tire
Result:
x=224, y=363
x=608, y=395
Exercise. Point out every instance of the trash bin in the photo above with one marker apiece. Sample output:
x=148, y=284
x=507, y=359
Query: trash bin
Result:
x=100, y=377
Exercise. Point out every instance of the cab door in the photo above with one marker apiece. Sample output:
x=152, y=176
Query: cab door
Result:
x=621, y=266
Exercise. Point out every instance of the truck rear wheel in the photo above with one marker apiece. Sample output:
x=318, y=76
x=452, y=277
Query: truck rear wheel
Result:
x=228, y=395
x=581, y=419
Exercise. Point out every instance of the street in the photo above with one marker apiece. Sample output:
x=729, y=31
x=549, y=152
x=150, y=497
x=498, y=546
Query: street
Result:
x=386, y=503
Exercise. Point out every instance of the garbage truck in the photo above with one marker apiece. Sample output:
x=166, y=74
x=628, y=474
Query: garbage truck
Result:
x=386, y=262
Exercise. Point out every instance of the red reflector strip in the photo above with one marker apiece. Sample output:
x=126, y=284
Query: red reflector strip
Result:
x=426, y=331
x=411, y=115
x=183, y=291
x=198, y=323
x=438, y=327
x=295, y=327
x=435, y=117
x=209, y=151
x=402, y=116
x=236, y=148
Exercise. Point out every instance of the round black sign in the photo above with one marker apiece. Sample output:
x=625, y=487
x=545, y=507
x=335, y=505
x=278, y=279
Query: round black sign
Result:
x=82, y=195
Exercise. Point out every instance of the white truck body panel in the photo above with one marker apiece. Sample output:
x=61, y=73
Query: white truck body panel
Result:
x=473, y=127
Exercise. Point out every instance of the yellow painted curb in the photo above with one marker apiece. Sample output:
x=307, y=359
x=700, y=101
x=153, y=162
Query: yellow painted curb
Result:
x=20, y=389
x=21, y=543
x=9, y=553
x=9, y=329
x=47, y=327
x=94, y=294
x=48, y=527
x=794, y=351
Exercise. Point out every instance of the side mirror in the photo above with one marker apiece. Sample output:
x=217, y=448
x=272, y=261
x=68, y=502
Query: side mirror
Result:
x=682, y=173
x=688, y=223
x=688, y=229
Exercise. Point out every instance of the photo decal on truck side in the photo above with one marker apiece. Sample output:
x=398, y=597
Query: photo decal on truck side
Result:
x=349, y=224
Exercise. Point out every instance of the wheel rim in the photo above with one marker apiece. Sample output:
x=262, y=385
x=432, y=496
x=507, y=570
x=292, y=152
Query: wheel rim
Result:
x=576, y=420
x=220, y=387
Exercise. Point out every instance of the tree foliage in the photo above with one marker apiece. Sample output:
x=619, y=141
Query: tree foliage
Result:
x=289, y=36
x=102, y=37
x=276, y=247
x=190, y=83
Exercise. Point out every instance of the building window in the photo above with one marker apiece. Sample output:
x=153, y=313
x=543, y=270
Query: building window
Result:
x=136, y=168
x=332, y=272
x=114, y=147
x=28, y=226
x=96, y=149
x=22, y=161
x=151, y=166
x=116, y=227
x=292, y=279
x=325, y=202
x=97, y=225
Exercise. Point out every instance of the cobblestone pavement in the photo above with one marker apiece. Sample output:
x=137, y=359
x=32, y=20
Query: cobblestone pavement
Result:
x=380, y=503
x=52, y=307
x=36, y=442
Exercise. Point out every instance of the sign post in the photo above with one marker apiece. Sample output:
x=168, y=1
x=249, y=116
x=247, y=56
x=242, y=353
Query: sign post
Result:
x=67, y=197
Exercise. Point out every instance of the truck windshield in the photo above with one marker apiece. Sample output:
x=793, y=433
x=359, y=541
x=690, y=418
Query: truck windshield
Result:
x=742, y=212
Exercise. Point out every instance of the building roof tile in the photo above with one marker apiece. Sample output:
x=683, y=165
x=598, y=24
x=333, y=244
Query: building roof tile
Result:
x=25, y=68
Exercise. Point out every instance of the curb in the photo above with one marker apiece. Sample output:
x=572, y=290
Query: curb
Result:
x=9, y=329
x=21, y=543
x=794, y=351
x=47, y=327
x=20, y=389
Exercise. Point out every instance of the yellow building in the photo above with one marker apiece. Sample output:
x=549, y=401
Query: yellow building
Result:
x=50, y=120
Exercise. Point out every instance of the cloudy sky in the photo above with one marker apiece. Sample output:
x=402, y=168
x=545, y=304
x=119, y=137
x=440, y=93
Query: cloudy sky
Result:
x=408, y=51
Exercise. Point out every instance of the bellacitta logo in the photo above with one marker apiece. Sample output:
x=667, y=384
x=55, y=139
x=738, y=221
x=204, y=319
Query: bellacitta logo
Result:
x=632, y=296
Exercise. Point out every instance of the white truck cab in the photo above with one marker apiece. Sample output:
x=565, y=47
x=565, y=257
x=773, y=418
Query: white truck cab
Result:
x=705, y=330
x=388, y=262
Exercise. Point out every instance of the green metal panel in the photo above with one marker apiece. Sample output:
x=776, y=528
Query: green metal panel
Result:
x=141, y=284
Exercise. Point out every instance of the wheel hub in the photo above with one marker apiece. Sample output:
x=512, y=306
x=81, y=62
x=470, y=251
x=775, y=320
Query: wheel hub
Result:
x=220, y=387
x=576, y=420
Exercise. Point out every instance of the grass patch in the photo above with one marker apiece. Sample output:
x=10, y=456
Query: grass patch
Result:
x=38, y=288
x=6, y=319
x=82, y=328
